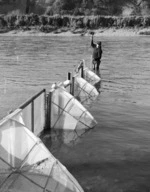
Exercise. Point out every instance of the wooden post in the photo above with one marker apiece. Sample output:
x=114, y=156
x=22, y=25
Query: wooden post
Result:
x=72, y=86
x=45, y=109
x=50, y=108
x=69, y=78
x=82, y=72
x=49, y=105
x=32, y=116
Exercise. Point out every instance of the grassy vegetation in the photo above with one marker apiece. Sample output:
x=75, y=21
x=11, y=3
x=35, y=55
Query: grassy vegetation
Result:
x=49, y=23
x=51, y=15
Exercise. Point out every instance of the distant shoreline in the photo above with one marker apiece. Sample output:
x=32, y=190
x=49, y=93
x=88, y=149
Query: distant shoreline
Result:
x=79, y=32
x=66, y=25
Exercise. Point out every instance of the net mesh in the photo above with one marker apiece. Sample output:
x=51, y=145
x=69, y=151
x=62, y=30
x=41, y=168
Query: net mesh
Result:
x=69, y=118
x=84, y=91
x=90, y=76
x=67, y=112
x=26, y=165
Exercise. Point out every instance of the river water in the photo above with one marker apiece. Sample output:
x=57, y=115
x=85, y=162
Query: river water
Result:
x=115, y=155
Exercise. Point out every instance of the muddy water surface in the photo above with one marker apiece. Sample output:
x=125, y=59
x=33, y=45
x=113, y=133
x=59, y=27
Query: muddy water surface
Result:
x=115, y=155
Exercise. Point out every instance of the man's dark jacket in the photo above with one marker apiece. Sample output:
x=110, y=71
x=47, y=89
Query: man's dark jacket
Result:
x=97, y=52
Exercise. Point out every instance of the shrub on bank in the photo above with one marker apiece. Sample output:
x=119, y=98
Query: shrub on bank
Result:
x=146, y=21
x=3, y=23
x=89, y=22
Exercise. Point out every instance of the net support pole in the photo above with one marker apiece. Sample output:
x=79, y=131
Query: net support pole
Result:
x=82, y=71
x=48, y=121
x=72, y=85
x=45, y=109
x=69, y=78
x=32, y=116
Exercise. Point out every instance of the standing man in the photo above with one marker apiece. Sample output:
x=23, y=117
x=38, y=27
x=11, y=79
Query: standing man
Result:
x=97, y=53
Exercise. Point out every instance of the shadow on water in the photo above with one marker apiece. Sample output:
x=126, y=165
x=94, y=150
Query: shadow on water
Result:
x=99, y=84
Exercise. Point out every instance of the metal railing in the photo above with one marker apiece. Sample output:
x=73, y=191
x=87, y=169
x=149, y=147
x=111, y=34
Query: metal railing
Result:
x=68, y=84
x=32, y=113
x=36, y=112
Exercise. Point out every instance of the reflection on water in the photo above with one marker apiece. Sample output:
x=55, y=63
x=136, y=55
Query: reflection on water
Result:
x=98, y=85
x=115, y=155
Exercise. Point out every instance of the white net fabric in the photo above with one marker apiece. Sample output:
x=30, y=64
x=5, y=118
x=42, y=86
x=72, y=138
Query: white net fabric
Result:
x=90, y=76
x=84, y=91
x=69, y=119
x=67, y=112
x=26, y=165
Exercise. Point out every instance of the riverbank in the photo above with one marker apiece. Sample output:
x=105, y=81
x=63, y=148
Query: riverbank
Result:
x=79, y=32
x=74, y=25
